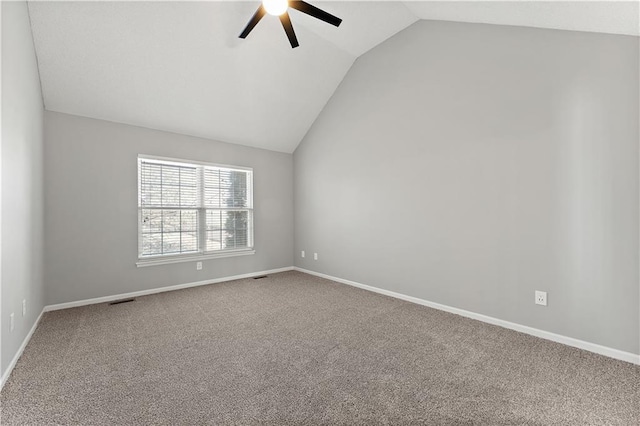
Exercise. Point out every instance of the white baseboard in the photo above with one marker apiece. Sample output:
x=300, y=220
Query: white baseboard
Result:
x=569, y=341
x=104, y=299
x=18, y=354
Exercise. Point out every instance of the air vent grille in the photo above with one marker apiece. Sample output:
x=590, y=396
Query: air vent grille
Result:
x=117, y=302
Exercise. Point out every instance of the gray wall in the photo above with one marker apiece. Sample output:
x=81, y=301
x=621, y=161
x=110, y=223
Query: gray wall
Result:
x=470, y=165
x=91, y=208
x=22, y=198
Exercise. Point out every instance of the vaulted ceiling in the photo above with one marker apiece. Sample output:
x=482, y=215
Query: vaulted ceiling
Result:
x=180, y=66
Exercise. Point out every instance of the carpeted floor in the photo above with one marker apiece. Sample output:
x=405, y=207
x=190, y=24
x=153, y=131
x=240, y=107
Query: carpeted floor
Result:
x=296, y=349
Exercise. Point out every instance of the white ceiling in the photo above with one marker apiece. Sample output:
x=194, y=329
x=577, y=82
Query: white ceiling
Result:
x=615, y=17
x=180, y=66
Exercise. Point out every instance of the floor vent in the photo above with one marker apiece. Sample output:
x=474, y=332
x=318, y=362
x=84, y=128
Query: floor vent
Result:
x=260, y=277
x=117, y=302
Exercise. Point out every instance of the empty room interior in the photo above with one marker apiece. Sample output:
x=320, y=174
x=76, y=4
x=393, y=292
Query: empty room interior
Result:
x=320, y=212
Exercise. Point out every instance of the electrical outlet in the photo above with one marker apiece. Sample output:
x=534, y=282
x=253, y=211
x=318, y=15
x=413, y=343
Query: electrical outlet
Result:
x=541, y=298
x=199, y=266
x=315, y=256
x=24, y=307
x=11, y=322
x=302, y=253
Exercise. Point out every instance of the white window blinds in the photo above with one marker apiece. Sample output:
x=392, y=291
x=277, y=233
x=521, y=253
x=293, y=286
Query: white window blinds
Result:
x=187, y=208
x=228, y=204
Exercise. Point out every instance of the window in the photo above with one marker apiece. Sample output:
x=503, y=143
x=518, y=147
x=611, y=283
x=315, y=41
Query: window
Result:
x=188, y=210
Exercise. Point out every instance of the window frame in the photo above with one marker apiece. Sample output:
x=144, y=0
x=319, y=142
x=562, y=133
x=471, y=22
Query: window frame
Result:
x=201, y=254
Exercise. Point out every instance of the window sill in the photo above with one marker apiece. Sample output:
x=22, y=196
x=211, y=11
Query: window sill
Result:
x=154, y=261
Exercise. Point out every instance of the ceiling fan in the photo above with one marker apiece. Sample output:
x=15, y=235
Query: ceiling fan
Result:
x=279, y=8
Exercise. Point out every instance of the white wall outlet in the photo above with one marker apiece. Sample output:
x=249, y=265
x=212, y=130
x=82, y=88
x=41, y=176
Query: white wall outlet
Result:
x=199, y=266
x=302, y=253
x=12, y=324
x=541, y=298
x=315, y=256
x=24, y=307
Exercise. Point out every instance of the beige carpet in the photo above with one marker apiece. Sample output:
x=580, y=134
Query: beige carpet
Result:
x=296, y=349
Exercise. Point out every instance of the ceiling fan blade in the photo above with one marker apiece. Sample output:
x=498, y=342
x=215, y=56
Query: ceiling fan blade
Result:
x=254, y=21
x=288, y=28
x=305, y=7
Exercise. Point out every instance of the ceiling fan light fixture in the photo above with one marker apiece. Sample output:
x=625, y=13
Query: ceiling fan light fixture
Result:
x=275, y=7
x=279, y=8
